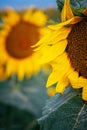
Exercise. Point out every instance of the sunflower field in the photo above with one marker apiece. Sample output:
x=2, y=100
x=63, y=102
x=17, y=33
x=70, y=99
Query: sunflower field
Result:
x=43, y=67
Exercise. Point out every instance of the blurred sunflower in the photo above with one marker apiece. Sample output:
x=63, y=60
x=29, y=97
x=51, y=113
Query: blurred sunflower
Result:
x=19, y=33
x=65, y=48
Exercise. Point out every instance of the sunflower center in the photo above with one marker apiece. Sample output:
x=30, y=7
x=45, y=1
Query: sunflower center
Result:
x=20, y=39
x=77, y=47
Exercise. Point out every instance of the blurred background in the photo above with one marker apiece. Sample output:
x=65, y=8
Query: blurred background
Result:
x=20, y=4
x=22, y=82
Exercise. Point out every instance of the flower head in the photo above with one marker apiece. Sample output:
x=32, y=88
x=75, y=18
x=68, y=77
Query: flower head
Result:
x=65, y=49
x=19, y=34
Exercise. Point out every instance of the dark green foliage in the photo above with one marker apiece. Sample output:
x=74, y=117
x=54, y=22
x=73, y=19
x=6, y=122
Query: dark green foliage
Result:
x=12, y=118
x=77, y=6
x=21, y=102
x=65, y=112
x=29, y=94
x=75, y=3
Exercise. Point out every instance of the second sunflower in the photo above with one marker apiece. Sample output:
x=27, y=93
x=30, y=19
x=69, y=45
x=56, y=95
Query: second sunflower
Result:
x=19, y=33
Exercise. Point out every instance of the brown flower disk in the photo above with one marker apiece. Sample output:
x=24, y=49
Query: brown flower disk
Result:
x=20, y=39
x=77, y=47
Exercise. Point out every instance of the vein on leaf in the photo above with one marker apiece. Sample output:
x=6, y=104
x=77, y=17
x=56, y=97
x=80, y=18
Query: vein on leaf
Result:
x=77, y=120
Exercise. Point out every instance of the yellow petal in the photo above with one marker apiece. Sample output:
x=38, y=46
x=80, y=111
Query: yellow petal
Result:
x=76, y=81
x=51, y=52
x=57, y=32
x=62, y=85
x=84, y=93
x=5, y=31
x=35, y=16
x=28, y=15
x=9, y=68
x=66, y=11
x=66, y=24
x=53, y=78
x=20, y=72
x=12, y=17
x=61, y=68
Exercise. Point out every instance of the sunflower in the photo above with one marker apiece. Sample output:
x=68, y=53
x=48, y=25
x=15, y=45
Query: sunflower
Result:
x=19, y=34
x=65, y=49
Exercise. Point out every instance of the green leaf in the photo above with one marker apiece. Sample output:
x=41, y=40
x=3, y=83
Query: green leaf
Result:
x=74, y=3
x=77, y=6
x=12, y=118
x=65, y=112
x=60, y=4
x=29, y=94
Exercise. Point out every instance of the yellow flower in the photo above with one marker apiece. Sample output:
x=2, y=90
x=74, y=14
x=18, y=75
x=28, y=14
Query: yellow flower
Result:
x=65, y=48
x=19, y=34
